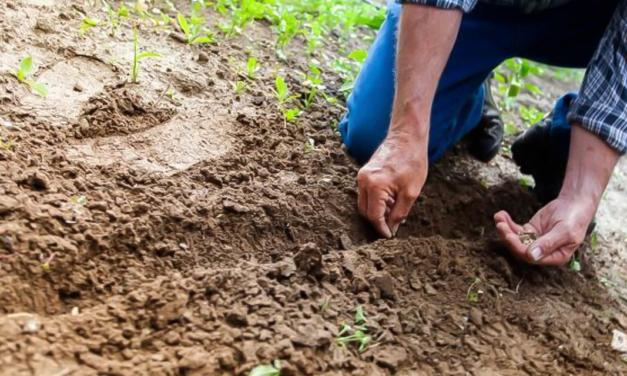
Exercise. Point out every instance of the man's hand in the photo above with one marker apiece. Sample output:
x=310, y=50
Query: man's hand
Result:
x=560, y=228
x=393, y=178
x=391, y=181
x=561, y=225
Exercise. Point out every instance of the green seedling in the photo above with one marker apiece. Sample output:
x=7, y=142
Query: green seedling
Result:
x=194, y=30
x=251, y=67
x=115, y=17
x=23, y=75
x=511, y=129
x=511, y=77
x=138, y=56
x=86, y=24
x=273, y=369
x=473, y=293
x=239, y=87
x=356, y=333
x=287, y=29
x=7, y=145
x=284, y=98
x=530, y=115
x=574, y=264
x=313, y=81
x=594, y=241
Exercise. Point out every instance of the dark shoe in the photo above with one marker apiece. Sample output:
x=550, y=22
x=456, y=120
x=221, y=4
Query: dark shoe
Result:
x=533, y=153
x=484, y=142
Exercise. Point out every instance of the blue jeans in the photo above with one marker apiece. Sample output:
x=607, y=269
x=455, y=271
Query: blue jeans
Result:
x=566, y=36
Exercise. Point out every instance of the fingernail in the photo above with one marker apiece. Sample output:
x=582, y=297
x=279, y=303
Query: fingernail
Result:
x=536, y=253
x=394, y=230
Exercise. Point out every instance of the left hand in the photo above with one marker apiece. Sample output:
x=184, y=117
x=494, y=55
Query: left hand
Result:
x=560, y=228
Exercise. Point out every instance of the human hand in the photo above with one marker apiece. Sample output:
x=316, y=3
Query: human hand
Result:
x=560, y=228
x=392, y=180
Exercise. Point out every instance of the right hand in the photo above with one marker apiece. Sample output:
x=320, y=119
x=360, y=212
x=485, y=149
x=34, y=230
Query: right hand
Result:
x=392, y=180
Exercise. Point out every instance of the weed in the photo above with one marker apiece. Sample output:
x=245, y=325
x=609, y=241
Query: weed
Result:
x=86, y=24
x=251, y=67
x=138, y=57
x=511, y=129
x=273, y=369
x=594, y=241
x=511, y=76
x=525, y=182
x=23, y=75
x=356, y=333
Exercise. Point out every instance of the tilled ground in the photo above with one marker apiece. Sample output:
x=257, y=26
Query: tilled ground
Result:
x=196, y=234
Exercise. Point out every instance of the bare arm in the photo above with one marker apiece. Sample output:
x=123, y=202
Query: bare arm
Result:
x=393, y=178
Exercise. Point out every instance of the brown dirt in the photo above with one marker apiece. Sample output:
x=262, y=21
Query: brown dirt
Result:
x=199, y=236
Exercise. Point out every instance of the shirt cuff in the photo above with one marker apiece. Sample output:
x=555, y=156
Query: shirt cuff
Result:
x=463, y=5
x=607, y=122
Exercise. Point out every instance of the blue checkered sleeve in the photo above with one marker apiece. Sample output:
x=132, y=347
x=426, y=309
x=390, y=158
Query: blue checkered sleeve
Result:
x=463, y=5
x=601, y=106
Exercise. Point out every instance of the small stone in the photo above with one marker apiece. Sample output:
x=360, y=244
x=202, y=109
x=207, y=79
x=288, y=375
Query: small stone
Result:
x=78, y=87
x=345, y=242
x=385, y=283
x=619, y=341
x=476, y=317
x=430, y=290
x=31, y=326
x=390, y=356
x=75, y=311
x=234, y=207
x=202, y=57
x=236, y=317
x=309, y=259
x=8, y=204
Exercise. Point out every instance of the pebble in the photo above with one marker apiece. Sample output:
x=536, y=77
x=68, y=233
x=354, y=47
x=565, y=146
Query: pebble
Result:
x=31, y=326
x=476, y=317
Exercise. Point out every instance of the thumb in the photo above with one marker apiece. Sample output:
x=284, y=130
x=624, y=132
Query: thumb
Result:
x=399, y=211
x=548, y=243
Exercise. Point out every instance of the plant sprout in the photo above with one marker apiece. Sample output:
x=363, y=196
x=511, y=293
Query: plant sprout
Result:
x=194, y=30
x=273, y=369
x=313, y=80
x=251, y=67
x=284, y=98
x=356, y=333
x=23, y=75
x=138, y=57
x=472, y=295
x=87, y=24
x=115, y=16
x=239, y=87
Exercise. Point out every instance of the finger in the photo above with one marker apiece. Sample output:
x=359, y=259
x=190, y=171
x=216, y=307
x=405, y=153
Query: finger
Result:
x=504, y=216
x=377, y=199
x=400, y=210
x=558, y=258
x=550, y=242
x=362, y=199
x=511, y=240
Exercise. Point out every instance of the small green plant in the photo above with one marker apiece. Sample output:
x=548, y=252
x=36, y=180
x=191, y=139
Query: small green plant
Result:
x=574, y=264
x=530, y=115
x=86, y=24
x=284, y=98
x=525, y=182
x=273, y=369
x=473, y=293
x=310, y=145
x=594, y=241
x=23, y=75
x=115, y=17
x=511, y=77
x=356, y=333
x=251, y=67
x=314, y=83
x=239, y=87
x=138, y=56
x=194, y=26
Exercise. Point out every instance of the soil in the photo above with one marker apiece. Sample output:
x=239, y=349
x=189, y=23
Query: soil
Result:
x=196, y=234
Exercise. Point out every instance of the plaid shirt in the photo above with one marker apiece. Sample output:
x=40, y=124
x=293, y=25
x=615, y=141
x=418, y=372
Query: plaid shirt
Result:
x=601, y=106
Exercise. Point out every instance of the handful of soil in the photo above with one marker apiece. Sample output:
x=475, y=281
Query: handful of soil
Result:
x=527, y=237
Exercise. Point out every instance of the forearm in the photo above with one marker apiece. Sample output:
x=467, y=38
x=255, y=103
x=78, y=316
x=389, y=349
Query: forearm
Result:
x=425, y=40
x=590, y=165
